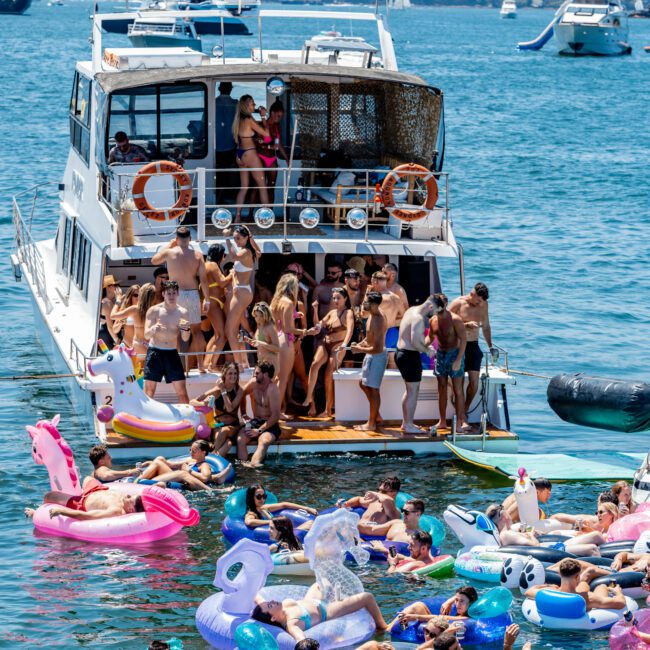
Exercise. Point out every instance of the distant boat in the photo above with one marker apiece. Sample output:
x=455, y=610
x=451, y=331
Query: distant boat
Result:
x=399, y=4
x=160, y=30
x=537, y=4
x=14, y=6
x=508, y=9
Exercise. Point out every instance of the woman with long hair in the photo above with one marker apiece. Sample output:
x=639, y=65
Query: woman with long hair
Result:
x=270, y=147
x=122, y=312
x=111, y=296
x=244, y=252
x=217, y=283
x=135, y=316
x=244, y=129
x=266, y=340
x=338, y=328
x=282, y=533
x=259, y=513
x=621, y=490
x=227, y=394
x=297, y=617
x=283, y=308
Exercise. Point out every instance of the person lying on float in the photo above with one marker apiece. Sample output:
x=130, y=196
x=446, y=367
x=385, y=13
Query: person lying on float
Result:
x=196, y=474
x=518, y=535
x=571, y=572
x=96, y=501
x=259, y=513
x=299, y=616
x=627, y=561
x=103, y=470
x=379, y=505
x=583, y=521
x=419, y=553
x=398, y=530
x=543, y=488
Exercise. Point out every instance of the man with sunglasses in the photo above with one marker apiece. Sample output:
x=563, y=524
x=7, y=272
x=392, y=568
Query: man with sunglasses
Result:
x=162, y=326
x=322, y=296
x=397, y=530
x=124, y=152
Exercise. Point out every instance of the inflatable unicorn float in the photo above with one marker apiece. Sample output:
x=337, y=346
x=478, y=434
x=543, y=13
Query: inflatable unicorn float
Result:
x=224, y=619
x=166, y=511
x=136, y=415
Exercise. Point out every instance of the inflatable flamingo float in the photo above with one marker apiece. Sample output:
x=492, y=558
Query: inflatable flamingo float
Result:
x=166, y=511
x=138, y=416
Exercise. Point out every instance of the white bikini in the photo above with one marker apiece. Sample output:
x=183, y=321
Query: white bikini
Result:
x=240, y=267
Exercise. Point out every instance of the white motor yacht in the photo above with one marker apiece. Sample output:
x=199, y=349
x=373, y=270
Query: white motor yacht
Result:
x=350, y=118
x=154, y=29
x=508, y=9
x=593, y=28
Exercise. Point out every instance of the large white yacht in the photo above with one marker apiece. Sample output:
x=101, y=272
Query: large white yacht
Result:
x=593, y=28
x=344, y=96
x=508, y=9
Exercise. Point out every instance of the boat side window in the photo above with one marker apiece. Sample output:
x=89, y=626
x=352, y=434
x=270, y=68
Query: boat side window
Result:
x=167, y=121
x=80, y=116
x=76, y=255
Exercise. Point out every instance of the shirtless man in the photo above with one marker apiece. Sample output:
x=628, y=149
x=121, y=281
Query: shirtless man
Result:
x=410, y=344
x=602, y=597
x=449, y=330
x=390, y=270
x=374, y=363
x=543, y=488
x=95, y=502
x=322, y=296
x=266, y=401
x=184, y=265
x=397, y=530
x=160, y=275
x=379, y=506
x=419, y=553
x=392, y=309
x=473, y=309
x=161, y=328
x=103, y=466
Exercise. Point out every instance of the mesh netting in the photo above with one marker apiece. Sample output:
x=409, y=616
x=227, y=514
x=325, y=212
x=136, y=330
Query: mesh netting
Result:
x=368, y=120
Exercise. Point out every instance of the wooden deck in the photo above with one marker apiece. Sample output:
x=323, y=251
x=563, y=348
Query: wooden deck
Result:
x=313, y=435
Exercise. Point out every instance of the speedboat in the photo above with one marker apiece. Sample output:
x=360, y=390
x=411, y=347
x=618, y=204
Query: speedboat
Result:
x=508, y=9
x=593, y=28
x=351, y=117
x=163, y=30
x=233, y=6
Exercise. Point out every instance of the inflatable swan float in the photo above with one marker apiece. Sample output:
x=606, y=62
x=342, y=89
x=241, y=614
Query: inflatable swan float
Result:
x=166, y=511
x=136, y=415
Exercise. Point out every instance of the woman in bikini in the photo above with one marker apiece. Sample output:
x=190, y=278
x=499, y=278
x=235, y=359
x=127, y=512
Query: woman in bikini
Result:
x=259, y=513
x=244, y=130
x=225, y=398
x=270, y=147
x=297, y=617
x=217, y=283
x=338, y=328
x=111, y=296
x=244, y=253
x=135, y=316
x=266, y=340
x=119, y=314
x=283, y=308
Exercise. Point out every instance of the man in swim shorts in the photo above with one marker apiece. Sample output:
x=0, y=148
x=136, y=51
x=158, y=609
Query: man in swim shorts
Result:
x=380, y=505
x=449, y=331
x=419, y=553
x=374, y=363
x=95, y=502
x=410, y=344
x=473, y=309
x=265, y=425
x=570, y=583
x=161, y=329
x=185, y=265
x=397, y=530
x=103, y=466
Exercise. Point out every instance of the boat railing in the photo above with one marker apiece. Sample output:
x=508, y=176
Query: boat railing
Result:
x=26, y=249
x=319, y=201
x=79, y=358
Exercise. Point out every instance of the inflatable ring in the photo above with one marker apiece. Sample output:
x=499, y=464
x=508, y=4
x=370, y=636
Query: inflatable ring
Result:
x=180, y=176
x=478, y=631
x=286, y=563
x=622, y=638
x=234, y=529
x=388, y=186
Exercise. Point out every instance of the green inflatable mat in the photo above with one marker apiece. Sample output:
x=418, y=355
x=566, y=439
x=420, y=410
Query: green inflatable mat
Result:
x=555, y=467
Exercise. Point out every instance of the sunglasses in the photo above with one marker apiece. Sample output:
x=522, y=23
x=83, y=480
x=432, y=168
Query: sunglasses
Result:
x=427, y=632
x=407, y=512
x=261, y=496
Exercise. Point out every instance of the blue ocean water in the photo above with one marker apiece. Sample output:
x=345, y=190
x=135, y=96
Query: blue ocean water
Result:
x=549, y=160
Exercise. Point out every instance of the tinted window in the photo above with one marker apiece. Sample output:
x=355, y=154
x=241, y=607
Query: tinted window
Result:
x=80, y=116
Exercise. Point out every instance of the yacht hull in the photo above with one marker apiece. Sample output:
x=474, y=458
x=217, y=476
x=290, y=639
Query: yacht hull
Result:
x=508, y=14
x=591, y=40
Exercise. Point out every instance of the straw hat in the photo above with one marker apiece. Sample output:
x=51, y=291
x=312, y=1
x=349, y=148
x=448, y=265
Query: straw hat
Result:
x=358, y=264
x=109, y=281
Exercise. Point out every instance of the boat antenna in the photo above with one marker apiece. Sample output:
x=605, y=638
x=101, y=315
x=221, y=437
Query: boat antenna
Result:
x=91, y=38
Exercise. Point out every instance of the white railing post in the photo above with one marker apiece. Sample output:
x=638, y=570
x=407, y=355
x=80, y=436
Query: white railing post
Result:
x=200, y=203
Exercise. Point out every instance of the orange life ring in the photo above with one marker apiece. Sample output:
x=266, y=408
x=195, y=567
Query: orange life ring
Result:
x=184, y=183
x=387, y=187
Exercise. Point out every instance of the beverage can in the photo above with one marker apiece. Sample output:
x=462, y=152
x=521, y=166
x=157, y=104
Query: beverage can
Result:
x=460, y=632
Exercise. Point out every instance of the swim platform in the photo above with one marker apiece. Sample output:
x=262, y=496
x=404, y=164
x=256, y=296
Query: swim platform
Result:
x=555, y=467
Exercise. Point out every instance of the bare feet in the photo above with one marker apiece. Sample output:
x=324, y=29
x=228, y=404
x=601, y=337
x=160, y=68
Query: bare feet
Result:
x=440, y=424
x=29, y=512
x=411, y=428
x=466, y=428
x=250, y=465
x=325, y=416
x=366, y=427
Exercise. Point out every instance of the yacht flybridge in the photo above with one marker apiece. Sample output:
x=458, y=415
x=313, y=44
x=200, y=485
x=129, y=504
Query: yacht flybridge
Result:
x=350, y=117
